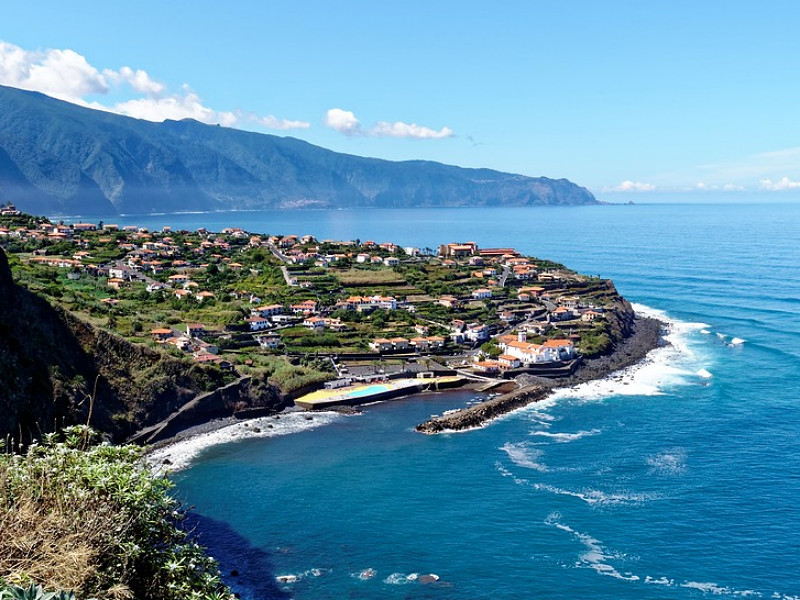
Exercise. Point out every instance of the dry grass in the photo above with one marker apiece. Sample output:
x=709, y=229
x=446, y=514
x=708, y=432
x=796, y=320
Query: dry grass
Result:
x=367, y=277
x=50, y=539
x=93, y=520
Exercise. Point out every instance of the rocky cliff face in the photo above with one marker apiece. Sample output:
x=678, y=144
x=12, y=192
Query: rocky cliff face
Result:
x=56, y=369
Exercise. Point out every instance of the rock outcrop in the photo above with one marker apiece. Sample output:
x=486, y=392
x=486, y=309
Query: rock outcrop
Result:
x=58, y=370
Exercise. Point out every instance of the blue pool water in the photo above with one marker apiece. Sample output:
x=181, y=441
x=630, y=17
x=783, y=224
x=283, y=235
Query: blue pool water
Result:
x=679, y=480
x=367, y=391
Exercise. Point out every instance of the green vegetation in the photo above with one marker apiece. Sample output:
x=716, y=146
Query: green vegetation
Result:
x=88, y=517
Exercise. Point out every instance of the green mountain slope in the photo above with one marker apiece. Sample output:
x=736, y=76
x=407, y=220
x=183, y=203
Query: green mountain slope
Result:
x=57, y=157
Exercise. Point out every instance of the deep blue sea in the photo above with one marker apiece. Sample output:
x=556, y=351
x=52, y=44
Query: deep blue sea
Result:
x=677, y=479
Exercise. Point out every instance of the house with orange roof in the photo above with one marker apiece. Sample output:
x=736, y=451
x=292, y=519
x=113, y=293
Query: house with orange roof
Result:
x=314, y=323
x=420, y=343
x=307, y=306
x=161, y=334
x=591, y=315
x=564, y=348
x=562, y=313
x=399, y=343
x=257, y=323
x=509, y=361
x=381, y=345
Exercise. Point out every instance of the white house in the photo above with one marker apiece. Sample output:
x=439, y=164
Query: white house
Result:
x=381, y=345
x=257, y=323
x=314, y=323
x=476, y=332
x=564, y=349
x=482, y=293
x=268, y=341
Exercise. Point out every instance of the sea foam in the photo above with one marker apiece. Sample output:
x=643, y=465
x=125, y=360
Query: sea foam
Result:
x=600, y=559
x=669, y=365
x=563, y=438
x=522, y=455
x=181, y=454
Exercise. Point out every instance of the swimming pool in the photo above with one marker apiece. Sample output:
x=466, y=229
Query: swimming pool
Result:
x=369, y=390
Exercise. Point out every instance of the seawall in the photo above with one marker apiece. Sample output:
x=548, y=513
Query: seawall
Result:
x=477, y=415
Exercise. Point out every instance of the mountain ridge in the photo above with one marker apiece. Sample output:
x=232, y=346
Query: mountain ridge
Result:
x=60, y=158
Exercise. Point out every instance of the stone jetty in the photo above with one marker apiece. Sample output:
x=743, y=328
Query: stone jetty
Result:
x=477, y=415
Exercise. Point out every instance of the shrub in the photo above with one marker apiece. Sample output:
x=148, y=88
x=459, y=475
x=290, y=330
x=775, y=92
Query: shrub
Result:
x=77, y=515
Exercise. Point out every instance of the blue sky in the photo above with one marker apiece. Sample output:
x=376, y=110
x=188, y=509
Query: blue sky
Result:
x=630, y=99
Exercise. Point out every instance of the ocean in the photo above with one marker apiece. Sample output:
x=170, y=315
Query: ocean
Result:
x=678, y=478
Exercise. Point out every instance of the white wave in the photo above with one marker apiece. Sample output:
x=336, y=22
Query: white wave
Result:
x=737, y=341
x=705, y=332
x=181, y=454
x=596, y=556
x=597, y=497
x=506, y=473
x=722, y=336
x=667, y=366
x=718, y=590
x=659, y=581
x=563, y=438
x=523, y=455
x=401, y=578
x=670, y=462
x=364, y=575
x=704, y=373
x=539, y=417
x=599, y=558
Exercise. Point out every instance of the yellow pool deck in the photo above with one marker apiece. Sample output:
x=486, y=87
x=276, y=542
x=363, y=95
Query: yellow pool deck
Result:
x=371, y=392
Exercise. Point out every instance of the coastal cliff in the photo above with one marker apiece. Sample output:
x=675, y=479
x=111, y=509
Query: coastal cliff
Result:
x=58, y=370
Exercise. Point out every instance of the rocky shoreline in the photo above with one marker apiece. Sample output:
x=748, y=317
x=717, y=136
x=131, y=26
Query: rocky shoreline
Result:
x=647, y=335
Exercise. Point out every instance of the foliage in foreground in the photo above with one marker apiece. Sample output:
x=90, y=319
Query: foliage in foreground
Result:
x=91, y=518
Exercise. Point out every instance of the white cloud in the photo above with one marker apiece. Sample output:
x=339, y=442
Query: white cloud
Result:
x=632, y=186
x=177, y=106
x=409, y=130
x=273, y=122
x=727, y=187
x=783, y=184
x=139, y=80
x=345, y=122
x=67, y=75
x=63, y=74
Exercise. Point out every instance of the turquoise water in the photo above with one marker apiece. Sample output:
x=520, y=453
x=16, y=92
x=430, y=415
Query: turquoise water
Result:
x=373, y=389
x=679, y=480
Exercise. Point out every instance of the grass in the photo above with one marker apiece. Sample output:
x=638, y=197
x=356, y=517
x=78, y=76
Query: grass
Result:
x=366, y=277
x=86, y=517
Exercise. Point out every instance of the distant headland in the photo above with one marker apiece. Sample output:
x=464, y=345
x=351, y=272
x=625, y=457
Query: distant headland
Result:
x=60, y=158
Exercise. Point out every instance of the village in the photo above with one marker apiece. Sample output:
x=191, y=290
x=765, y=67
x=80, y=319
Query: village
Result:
x=331, y=312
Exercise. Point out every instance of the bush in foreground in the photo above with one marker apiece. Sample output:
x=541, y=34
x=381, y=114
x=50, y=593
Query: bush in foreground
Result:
x=91, y=518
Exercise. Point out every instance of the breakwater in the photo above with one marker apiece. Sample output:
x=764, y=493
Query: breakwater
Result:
x=477, y=415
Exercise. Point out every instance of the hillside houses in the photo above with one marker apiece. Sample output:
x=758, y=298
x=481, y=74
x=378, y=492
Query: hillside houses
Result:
x=259, y=293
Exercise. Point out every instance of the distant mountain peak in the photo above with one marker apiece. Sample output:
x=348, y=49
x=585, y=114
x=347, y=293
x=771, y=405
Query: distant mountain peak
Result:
x=59, y=158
